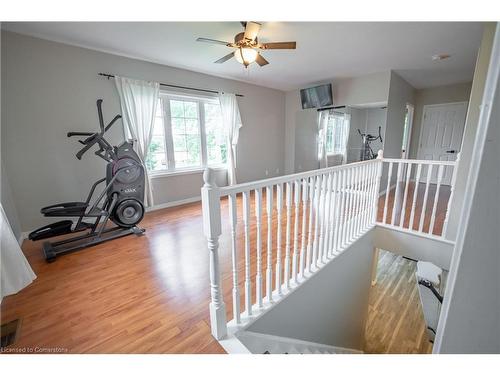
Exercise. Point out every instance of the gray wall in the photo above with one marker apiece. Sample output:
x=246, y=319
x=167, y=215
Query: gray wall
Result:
x=306, y=145
x=470, y=129
x=470, y=317
x=367, y=120
x=339, y=294
x=459, y=92
x=50, y=88
x=400, y=94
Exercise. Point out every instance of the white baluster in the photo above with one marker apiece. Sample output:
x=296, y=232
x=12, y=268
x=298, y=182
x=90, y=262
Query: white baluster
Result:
x=364, y=190
x=304, y=228
x=328, y=217
x=415, y=194
x=322, y=218
x=258, y=220
x=248, y=280
x=316, y=220
x=234, y=257
x=343, y=199
x=295, y=257
x=279, y=208
x=376, y=188
x=396, y=194
x=424, y=205
x=387, y=190
x=349, y=206
x=288, y=229
x=436, y=198
x=336, y=224
x=269, y=268
x=356, y=213
x=310, y=225
x=371, y=190
x=212, y=229
x=452, y=189
x=405, y=196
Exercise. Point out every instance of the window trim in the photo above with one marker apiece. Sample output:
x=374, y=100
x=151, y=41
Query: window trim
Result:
x=346, y=145
x=165, y=97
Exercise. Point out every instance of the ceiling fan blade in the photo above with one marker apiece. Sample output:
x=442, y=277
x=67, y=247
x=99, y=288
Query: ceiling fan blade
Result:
x=261, y=60
x=213, y=41
x=279, y=45
x=251, y=30
x=224, y=59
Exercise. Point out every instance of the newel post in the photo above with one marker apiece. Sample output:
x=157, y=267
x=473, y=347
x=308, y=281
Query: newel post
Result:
x=210, y=199
x=450, y=199
x=380, y=158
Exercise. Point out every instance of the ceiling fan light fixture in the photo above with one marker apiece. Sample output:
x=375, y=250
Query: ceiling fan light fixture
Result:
x=245, y=55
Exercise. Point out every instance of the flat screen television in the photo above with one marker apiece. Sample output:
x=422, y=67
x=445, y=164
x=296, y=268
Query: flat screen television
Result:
x=317, y=97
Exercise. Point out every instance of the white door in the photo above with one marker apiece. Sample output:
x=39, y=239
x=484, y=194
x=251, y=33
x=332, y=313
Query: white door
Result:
x=441, y=135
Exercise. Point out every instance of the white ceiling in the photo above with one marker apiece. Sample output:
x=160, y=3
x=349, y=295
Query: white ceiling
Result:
x=325, y=50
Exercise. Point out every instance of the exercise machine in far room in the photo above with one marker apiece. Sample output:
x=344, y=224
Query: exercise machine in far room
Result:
x=120, y=201
x=366, y=150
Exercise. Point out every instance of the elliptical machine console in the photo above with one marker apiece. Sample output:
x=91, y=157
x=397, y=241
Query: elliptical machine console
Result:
x=121, y=199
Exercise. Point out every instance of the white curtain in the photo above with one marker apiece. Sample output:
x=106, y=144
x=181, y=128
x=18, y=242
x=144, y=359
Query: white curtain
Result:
x=138, y=100
x=16, y=272
x=343, y=134
x=323, y=118
x=333, y=135
x=232, y=123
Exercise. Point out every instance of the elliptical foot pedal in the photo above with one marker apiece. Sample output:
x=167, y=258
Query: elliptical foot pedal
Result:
x=51, y=230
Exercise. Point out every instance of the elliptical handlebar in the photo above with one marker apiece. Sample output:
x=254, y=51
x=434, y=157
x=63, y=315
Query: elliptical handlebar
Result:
x=98, y=137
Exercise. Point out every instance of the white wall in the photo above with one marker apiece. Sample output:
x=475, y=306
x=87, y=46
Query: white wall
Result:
x=50, y=88
x=339, y=297
x=470, y=129
x=366, y=89
x=470, y=317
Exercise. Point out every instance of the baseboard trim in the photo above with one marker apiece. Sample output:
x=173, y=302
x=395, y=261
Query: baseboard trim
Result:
x=173, y=203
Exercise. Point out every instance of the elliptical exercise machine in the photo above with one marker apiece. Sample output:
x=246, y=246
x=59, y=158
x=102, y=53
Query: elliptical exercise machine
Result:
x=121, y=200
x=366, y=150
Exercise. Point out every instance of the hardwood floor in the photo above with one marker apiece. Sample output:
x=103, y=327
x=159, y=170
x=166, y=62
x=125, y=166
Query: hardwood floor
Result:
x=145, y=294
x=395, y=320
x=444, y=195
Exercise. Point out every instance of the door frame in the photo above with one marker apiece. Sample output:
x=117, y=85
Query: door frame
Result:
x=424, y=109
x=411, y=117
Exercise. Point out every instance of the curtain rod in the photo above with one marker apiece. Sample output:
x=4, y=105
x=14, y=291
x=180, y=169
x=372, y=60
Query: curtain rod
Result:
x=328, y=108
x=108, y=76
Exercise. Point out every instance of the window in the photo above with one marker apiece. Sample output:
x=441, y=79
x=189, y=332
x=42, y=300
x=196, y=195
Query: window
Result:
x=188, y=134
x=337, y=132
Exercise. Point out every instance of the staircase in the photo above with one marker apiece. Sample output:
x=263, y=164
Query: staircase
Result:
x=280, y=233
x=258, y=343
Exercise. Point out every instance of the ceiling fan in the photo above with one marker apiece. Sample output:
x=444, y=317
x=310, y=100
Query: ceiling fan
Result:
x=247, y=46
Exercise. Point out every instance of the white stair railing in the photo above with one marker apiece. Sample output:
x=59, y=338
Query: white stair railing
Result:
x=415, y=193
x=325, y=211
